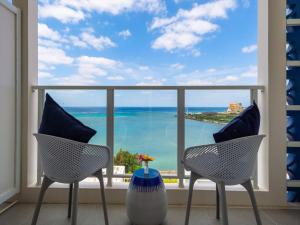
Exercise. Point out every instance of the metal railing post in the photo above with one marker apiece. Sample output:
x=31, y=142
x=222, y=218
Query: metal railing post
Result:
x=253, y=97
x=110, y=132
x=180, y=134
x=41, y=100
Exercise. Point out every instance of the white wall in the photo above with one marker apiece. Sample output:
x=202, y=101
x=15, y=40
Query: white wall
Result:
x=8, y=105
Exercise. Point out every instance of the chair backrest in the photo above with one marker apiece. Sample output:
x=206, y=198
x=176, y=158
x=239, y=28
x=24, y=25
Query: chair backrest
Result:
x=67, y=161
x=236, y=159
x=231, y=162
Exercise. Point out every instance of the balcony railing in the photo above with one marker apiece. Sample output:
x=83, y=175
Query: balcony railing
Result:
x=110, y=108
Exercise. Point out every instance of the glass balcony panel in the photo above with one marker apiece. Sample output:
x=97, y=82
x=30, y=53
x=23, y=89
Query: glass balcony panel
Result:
x=206, y=113
x=146, y=123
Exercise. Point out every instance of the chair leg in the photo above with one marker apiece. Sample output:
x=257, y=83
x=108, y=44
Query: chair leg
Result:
x=248, y=186
x=222, y=192
x=100, y=178
x=193, y=179
x=46, y=183
x=70, y=200
x=75, y=203
x=217, y=203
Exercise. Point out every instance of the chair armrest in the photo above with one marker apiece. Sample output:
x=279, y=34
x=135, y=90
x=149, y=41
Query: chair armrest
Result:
x=99, y=148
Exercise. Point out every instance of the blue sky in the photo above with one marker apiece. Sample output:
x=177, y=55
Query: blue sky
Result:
x=148, y=42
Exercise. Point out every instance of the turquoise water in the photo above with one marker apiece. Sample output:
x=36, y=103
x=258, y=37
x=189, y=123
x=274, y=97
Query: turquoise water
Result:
x=148, y=130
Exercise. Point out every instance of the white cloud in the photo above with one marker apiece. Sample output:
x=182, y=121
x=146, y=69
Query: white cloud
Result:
x=74, y=11
x=117, y=6
x=49, y=56
x=48, y=43
x=195, y=52
x=187, y=28
x=89, y=69
x=51, y=53
x=53, y=56
x=195, y=82
x=177, y=66
x=183, y=34
x=117, y=78
x=77, y=42
x=99, y=61
x=125, y=34
x=249, y=49
x=148, y=78
x=92, y=67
x=87, y=39
x=43, y=66
x=48, y=37
x=98, y=43
x=60, y=12
x=45, y=32
x=76, y=80
x=211, y=70
x=228, y=78
x=220, y=76
x=51, y=38
x=251, y=72
x=150, y=83
x=144, y=68
x=43, y=74
x=246, y=3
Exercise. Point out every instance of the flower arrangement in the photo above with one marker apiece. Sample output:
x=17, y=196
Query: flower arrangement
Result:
x=146, y=159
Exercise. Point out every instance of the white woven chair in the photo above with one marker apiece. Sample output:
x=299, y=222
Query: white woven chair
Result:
x=226, y=163
x=68, y=161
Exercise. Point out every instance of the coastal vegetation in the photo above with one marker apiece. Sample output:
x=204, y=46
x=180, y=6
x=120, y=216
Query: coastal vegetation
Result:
x=212, y=117
x=127, y=159
x=131, y=163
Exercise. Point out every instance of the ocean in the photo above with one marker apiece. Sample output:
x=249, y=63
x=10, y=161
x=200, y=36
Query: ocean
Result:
x=149, y=130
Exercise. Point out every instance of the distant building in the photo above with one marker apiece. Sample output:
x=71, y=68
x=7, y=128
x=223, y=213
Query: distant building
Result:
x=235, y=108
x=118, y=170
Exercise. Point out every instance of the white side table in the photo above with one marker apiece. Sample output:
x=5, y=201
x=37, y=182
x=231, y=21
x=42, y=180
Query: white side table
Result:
x=146, y=200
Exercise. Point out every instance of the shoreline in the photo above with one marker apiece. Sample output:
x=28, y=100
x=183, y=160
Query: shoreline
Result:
x=211, y=117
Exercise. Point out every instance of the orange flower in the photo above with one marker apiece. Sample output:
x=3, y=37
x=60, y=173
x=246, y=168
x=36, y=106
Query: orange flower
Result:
x=148, y=158
x=144, y=158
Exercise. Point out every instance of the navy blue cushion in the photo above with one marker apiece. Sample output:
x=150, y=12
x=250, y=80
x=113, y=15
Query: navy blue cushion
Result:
x=246, y=124
x=57, y=122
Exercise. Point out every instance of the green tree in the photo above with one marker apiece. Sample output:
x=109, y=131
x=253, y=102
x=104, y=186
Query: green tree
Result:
x=127, y=159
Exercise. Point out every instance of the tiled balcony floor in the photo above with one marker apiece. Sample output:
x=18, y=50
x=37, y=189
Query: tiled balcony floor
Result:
x=90, y=214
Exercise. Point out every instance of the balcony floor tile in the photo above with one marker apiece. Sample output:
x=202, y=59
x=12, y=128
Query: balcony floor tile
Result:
x=91, y=214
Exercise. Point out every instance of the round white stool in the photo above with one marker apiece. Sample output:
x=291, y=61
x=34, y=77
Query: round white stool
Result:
x=146, y=200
